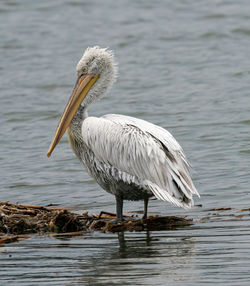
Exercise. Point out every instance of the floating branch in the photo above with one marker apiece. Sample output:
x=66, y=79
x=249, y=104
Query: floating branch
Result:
x=16, y=220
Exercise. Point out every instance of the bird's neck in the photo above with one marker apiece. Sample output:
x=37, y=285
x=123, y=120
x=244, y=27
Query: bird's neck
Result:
x=74, y=130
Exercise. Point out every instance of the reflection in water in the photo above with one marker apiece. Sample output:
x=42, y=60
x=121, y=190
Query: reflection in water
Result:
x=208, y=251
x=138, y=257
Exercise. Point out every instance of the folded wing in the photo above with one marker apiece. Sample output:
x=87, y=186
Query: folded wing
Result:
x=144, y=150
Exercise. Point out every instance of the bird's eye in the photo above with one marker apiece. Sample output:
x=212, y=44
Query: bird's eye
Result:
x=84, y=70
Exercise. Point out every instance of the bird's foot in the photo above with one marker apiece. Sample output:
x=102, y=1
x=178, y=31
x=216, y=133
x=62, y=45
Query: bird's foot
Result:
x=121, y=220
x=117, y=220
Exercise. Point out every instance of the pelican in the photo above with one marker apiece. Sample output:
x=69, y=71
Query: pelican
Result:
x=128, y=157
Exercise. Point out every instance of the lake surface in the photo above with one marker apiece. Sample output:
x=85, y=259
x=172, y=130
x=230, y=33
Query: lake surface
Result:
x=184, y=65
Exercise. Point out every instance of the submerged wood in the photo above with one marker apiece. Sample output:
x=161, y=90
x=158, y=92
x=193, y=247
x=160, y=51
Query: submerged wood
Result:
x=16, y=220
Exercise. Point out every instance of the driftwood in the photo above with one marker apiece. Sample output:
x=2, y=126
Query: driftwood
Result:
x=17, y=220
x=11, y=238
x=21, y=219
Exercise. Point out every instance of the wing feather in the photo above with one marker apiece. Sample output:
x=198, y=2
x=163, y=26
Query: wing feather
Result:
x=144, y=150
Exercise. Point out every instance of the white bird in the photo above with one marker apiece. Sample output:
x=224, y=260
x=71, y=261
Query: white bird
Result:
x=128, y=157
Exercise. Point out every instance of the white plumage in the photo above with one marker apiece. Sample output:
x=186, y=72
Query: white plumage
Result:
x=128, y=157
x=136, y=147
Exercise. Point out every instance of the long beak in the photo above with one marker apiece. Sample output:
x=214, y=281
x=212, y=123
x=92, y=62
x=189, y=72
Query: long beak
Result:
x=81, y=89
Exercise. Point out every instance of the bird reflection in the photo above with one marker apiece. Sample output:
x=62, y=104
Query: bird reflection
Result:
x=133, y=258
x=123, y=243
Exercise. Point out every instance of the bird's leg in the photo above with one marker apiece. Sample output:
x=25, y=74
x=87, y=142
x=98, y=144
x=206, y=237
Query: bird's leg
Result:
x=145, y=208
x=119, y=206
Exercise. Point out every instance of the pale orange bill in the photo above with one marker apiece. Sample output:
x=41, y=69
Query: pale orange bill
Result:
x=81, y=89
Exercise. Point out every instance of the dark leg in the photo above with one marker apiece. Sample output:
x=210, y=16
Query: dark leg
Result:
x=145, y=208
x=119, y=205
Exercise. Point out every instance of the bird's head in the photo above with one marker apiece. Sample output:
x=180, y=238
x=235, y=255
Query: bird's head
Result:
x=96, y=73
x=96, y=60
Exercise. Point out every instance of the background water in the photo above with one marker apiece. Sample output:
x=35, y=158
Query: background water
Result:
x=183, y=65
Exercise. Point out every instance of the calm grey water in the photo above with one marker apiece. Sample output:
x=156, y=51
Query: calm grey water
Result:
x=184, y=65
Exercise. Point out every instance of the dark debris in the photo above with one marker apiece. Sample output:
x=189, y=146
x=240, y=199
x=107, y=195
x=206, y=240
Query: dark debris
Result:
x=17, y=220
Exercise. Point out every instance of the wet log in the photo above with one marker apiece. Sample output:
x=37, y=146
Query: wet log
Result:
x=11, y=238
x=151, y=224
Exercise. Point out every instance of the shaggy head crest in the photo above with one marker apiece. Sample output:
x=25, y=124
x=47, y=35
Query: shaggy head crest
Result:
x=97, y=61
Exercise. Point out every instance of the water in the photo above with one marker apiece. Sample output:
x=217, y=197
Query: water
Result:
x=183, y=65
